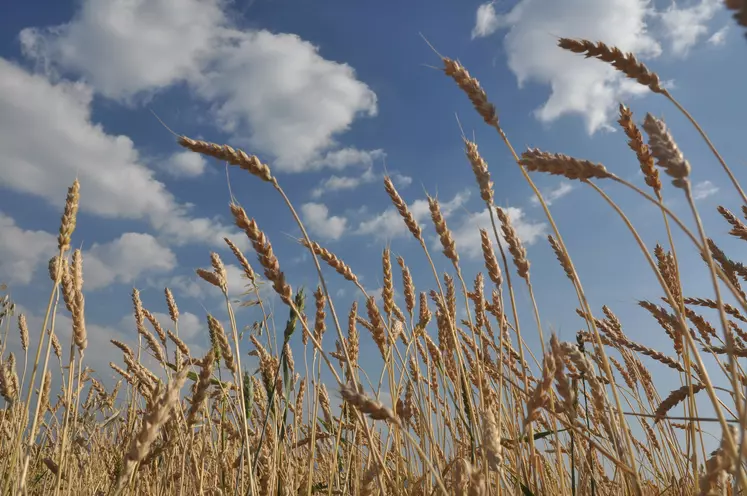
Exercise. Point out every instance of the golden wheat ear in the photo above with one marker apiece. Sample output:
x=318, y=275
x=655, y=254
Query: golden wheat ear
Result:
x=627, y=63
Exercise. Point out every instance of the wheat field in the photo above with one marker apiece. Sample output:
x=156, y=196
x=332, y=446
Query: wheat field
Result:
x=474, y=410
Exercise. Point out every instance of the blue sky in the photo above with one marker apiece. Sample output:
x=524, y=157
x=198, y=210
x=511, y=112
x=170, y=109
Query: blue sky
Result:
x=328, y=94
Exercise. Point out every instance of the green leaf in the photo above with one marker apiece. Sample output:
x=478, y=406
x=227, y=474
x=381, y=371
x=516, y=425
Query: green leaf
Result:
x=526, y=491
x=290, y=327
x=539, y=435
x=326, y=426
x=248, y=396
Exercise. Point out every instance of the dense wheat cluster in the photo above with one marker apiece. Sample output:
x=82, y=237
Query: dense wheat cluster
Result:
x=473, y=409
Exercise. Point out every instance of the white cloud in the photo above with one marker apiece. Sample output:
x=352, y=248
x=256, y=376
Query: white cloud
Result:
x=684, y=26
x=401, y=180
x=588, y=88
x=317, y=219
x=274, y=88
x=237, y=281
x=23, y=251
x=340, y=183
x=194, y=286
x=447, y=207
x=125, y=47
x=467, y=230
x=719, y=37
x=31, y=106
x=346, y=157
x=190, y=325
x=99, y=351
x=182, y=285
x=554, y=194
x=376, y=293
x=290, y=99
x=386, y=225
x=389, y=224
x=704, y=189
x=125, y=259
x=185, y=164
x=486, y=22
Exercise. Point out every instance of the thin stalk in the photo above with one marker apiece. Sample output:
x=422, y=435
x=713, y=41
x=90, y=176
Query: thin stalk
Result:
x=239, y=379
x=66, y=421
x=606, y=366
x=710, y=145
x=730, y=443
x=29, y=396
x=353, y=372
x=517, y=327
x=722, y=314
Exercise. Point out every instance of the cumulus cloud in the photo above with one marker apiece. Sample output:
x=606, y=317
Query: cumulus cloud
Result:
x=554, y=194
x=320, y=223
x=389, y=224
x=704, y=189
x=114, y=181
x=23, y=251
x=125, y=259
x=467, y=230
x=124, y=47
x=190, y=326
x=587, y=88
x=291, y=99
x=386, y=225
x=274, y=88
x=685, y=26
x=185, y=164
x=579, y=86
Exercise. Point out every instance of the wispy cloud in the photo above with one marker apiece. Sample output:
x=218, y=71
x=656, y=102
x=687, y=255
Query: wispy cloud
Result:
x=486, y=22
x=704, y=189
x=554, y=194
x=719, y=37
x=683, y=27
x=342, y=183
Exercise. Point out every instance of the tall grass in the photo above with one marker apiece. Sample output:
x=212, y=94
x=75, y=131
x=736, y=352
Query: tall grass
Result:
x=474, y=410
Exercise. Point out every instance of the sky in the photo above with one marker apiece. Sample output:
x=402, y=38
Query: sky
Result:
x=332, y=95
